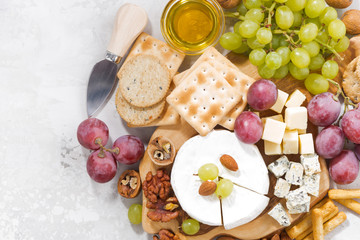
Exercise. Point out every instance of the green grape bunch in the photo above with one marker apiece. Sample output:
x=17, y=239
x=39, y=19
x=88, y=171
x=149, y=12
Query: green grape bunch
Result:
x=289, y=37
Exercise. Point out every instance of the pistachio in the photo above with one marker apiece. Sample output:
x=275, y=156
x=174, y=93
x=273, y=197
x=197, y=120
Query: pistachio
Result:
x=159, y=155
x=171, y=206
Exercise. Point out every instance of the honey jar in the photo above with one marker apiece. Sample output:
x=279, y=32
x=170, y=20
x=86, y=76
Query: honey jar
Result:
x=191, y=26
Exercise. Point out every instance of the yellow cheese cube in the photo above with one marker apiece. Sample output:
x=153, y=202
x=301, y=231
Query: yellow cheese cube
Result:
x=273, y=131
x=271, y=148
x=280, y=102
x=296, y=118
x=290, y=142
x=295, y=99
x=278, y=117
x=306, y=144
x=301, y=131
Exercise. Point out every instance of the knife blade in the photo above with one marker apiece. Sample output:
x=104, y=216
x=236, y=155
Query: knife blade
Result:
x=130, y=21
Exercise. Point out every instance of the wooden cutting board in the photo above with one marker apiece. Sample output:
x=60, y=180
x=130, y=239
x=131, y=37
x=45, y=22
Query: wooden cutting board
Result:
x=263, y=225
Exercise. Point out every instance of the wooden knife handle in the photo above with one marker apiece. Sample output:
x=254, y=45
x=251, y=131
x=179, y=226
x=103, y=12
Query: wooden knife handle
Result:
x=130, y=21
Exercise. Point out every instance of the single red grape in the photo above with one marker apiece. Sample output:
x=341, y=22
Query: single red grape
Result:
x=330, y=142
x=323, y=109
x=90, y=130
x=262, y=95
x=357, y=151
x=101, y=166
x=350, y=124
x=248, y=127
x=344, y=168
x=131, y=149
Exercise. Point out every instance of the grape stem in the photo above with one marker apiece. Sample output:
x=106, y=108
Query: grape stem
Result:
x=98, y=141
x=339, y=92
x=234, y=15
x=330, y=48
x=268, y=24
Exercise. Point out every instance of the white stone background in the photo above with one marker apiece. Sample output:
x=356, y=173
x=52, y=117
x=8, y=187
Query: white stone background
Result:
x=47, y=50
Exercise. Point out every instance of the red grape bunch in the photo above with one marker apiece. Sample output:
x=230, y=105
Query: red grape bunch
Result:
x=101, y=165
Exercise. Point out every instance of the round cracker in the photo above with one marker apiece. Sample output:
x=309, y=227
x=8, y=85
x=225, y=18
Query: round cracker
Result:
x=144, y=80
x=351, y=80
x=135, y=115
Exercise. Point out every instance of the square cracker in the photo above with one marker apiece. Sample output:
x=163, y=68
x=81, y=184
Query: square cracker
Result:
x=203, y=98
x=232, y=75
x=146, y=44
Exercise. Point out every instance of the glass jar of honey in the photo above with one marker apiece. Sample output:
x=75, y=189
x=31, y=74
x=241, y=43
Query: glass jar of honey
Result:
x=191, y=26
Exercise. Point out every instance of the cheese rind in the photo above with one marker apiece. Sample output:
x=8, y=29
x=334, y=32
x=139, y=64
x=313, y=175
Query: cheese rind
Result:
x=282, y=188
x=280, y=166
x=273, y=131
x=290, y=142
x=280, y=101
x=296, y=118
x=271, y=148
x=297, y=201
x=311, y=184
x=295, y=173
x=310, y=163
x=306, y=144
x=295, y=99
x=279, y=214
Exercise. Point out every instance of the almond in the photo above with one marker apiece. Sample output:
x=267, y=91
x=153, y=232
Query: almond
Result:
x=229, y=162
x=207, y=188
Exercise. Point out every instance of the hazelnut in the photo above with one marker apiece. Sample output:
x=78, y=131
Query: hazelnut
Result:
x=351, y=19
x=339, y=3
x=129, y=184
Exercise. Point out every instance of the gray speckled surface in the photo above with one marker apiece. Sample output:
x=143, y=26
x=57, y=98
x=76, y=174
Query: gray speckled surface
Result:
x=47, y=50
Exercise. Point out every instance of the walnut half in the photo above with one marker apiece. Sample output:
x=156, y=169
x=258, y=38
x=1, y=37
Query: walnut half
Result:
x=129, y=184
x=165, y=235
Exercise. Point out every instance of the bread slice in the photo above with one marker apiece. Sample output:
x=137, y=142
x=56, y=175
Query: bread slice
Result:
x=144, y=80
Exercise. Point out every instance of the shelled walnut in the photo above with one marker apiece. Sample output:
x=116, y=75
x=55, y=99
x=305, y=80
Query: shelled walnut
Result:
x=161, y=151
x=129, y=184
x=166, y=235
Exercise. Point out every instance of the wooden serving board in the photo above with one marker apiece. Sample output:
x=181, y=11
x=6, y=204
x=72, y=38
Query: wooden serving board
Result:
x=263, y=225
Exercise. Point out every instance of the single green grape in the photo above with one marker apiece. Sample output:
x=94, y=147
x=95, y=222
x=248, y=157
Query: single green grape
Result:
x=336, y=29
x=243, y=48
x=323, y=36
x=265, y=72
x=190, y=226
x=236, y=26
x=330, y=69
x=135, y=213
x=342, y=44
x=297, y=19
x=296, y=5
x=298, y=73
x=255, y=14
x=328, y=15
x=300, y=57
x=313, y=48
x=253, y=43
x=208, y=171
x=316, y=62
x=308, y=32
x=267, y=3
x=264, y=35
x=284, y=17
x=275, y=42
x=241, y=9
x=248, y=28
x=224, y=188
x=280, y=1
x=316, y=84
x=230, y=40
x=314, y=8
x=283, y=42
x=249, y=4
x=273, y=60
x=281, y=72
x=257, y=56
x=315, y=21
x=284, y=52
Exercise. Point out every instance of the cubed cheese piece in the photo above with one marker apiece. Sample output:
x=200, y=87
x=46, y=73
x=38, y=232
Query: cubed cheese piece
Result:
x=296, y=118
x=280, y=101
x=311, y=184
x=277, y=117
x=273, y=131
x=282, y=188
x=290, y=142
x=280, y=166
x=310, y=163
x=297, y=201
x=295, y=99
x=301, y=131
x=295, y=173
x=279, y=214
x=306, y=144
x=272, y=148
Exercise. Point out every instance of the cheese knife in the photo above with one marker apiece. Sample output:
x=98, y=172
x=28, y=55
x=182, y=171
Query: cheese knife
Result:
x=130, y=21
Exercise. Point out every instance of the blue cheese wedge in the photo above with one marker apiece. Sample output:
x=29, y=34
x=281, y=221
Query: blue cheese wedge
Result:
x=295, y=174
x=298, y=201
x=311, y=184
x=280, y=166
x=310, y=163
x=279, y=214
x=282, y=188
